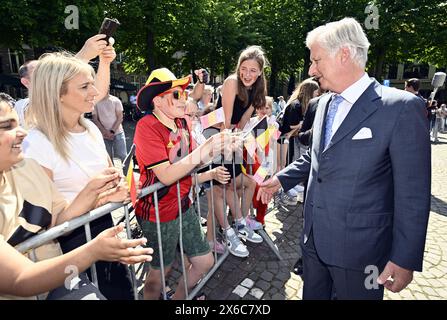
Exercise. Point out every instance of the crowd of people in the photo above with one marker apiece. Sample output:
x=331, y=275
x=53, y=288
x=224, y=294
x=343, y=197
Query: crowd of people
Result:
x=436, y=112
x=348, y=149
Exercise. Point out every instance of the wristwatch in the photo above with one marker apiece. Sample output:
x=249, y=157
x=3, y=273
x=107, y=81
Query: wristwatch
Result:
x=112, y=132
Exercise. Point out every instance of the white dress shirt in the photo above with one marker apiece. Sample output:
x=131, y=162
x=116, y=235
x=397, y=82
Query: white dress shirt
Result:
x=350, y=96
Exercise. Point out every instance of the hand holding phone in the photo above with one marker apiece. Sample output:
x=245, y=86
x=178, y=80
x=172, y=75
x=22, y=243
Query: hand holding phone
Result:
x=108, y=27
x=205, y=75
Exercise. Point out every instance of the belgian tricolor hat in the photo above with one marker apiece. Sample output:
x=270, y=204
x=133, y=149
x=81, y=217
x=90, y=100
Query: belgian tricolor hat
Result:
x=159, y=81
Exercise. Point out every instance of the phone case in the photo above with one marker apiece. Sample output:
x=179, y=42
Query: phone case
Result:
x=108, y=27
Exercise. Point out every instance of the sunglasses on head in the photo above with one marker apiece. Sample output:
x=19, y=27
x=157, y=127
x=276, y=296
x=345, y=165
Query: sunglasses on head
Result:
x=176, y=94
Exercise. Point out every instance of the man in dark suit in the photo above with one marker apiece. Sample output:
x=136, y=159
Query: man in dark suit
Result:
x=368, y=199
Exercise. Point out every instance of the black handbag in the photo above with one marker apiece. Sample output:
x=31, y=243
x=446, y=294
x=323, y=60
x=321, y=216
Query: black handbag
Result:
x=114, y=278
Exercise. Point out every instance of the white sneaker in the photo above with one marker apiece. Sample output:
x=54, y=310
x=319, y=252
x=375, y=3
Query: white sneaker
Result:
x=235, y=246
x=248, y=234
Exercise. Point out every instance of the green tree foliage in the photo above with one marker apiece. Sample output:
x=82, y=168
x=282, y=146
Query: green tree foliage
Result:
x=211, y=33
x=41, y=24
x=413, y=31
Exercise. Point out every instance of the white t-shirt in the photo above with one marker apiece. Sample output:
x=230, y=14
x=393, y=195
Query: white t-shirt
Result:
x=20, y=107
x=70, y=177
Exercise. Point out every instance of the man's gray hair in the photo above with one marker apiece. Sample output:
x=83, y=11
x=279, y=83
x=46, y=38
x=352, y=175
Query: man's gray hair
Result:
x=343, y=33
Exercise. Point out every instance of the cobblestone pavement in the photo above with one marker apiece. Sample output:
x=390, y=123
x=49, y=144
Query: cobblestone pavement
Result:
x=263, y=276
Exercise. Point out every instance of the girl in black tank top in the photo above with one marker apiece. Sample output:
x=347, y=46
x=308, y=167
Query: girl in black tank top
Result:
x=239, y=107
x=242, y=93
x=247, y=89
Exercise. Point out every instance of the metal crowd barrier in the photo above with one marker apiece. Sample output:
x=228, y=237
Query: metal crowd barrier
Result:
x=85, y=220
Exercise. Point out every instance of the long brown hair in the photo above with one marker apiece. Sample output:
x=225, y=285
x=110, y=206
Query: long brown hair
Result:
x=304, y=92
x=259, y=87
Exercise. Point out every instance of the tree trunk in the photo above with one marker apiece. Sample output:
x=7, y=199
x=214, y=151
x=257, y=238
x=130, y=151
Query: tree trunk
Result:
x=379, y=61
x=213, y=67
x=194, y=67
x=306, y=66
x=291, y=86
x=273, y=76
x=226, y=69
x=150, y=57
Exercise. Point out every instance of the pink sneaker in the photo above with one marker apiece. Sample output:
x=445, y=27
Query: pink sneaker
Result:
x=253, y=224
x=218, y=247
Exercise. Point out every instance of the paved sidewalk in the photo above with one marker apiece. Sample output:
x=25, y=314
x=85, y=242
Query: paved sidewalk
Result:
x=262, y=275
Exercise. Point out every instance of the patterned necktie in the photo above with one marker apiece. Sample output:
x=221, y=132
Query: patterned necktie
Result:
x=333, y=107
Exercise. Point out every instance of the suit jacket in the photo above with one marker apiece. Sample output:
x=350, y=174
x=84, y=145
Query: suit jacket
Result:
x=368, y=200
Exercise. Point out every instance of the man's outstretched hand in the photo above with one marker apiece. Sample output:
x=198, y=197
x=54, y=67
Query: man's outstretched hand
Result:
x=268, y=189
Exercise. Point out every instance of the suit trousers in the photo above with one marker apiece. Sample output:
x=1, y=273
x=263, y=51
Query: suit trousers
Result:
x=325, y=282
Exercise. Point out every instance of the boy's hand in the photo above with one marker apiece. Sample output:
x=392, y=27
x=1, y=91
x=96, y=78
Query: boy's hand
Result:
x=226, y=143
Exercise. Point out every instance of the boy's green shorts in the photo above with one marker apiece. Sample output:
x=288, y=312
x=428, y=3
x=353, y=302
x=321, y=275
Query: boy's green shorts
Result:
x=194, y=240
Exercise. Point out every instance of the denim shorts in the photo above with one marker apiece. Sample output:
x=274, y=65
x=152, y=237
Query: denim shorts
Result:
x=194, y=240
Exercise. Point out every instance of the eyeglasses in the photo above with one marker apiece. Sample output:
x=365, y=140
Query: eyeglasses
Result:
x=176, y=94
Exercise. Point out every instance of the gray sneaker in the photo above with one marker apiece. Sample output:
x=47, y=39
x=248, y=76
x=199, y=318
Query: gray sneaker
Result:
x=287, y=200
x=247, y=233
x=235, y=246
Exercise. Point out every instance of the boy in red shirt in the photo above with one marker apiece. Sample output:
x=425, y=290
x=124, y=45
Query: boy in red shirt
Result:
x=165, y=154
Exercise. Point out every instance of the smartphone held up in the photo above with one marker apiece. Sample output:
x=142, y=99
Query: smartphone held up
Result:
x=108, y=27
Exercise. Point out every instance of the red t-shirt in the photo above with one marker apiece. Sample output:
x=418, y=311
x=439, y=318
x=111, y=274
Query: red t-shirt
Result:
x=156, y=144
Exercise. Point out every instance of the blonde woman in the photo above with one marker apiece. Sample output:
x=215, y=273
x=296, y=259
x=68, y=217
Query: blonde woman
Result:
x=71, y=149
